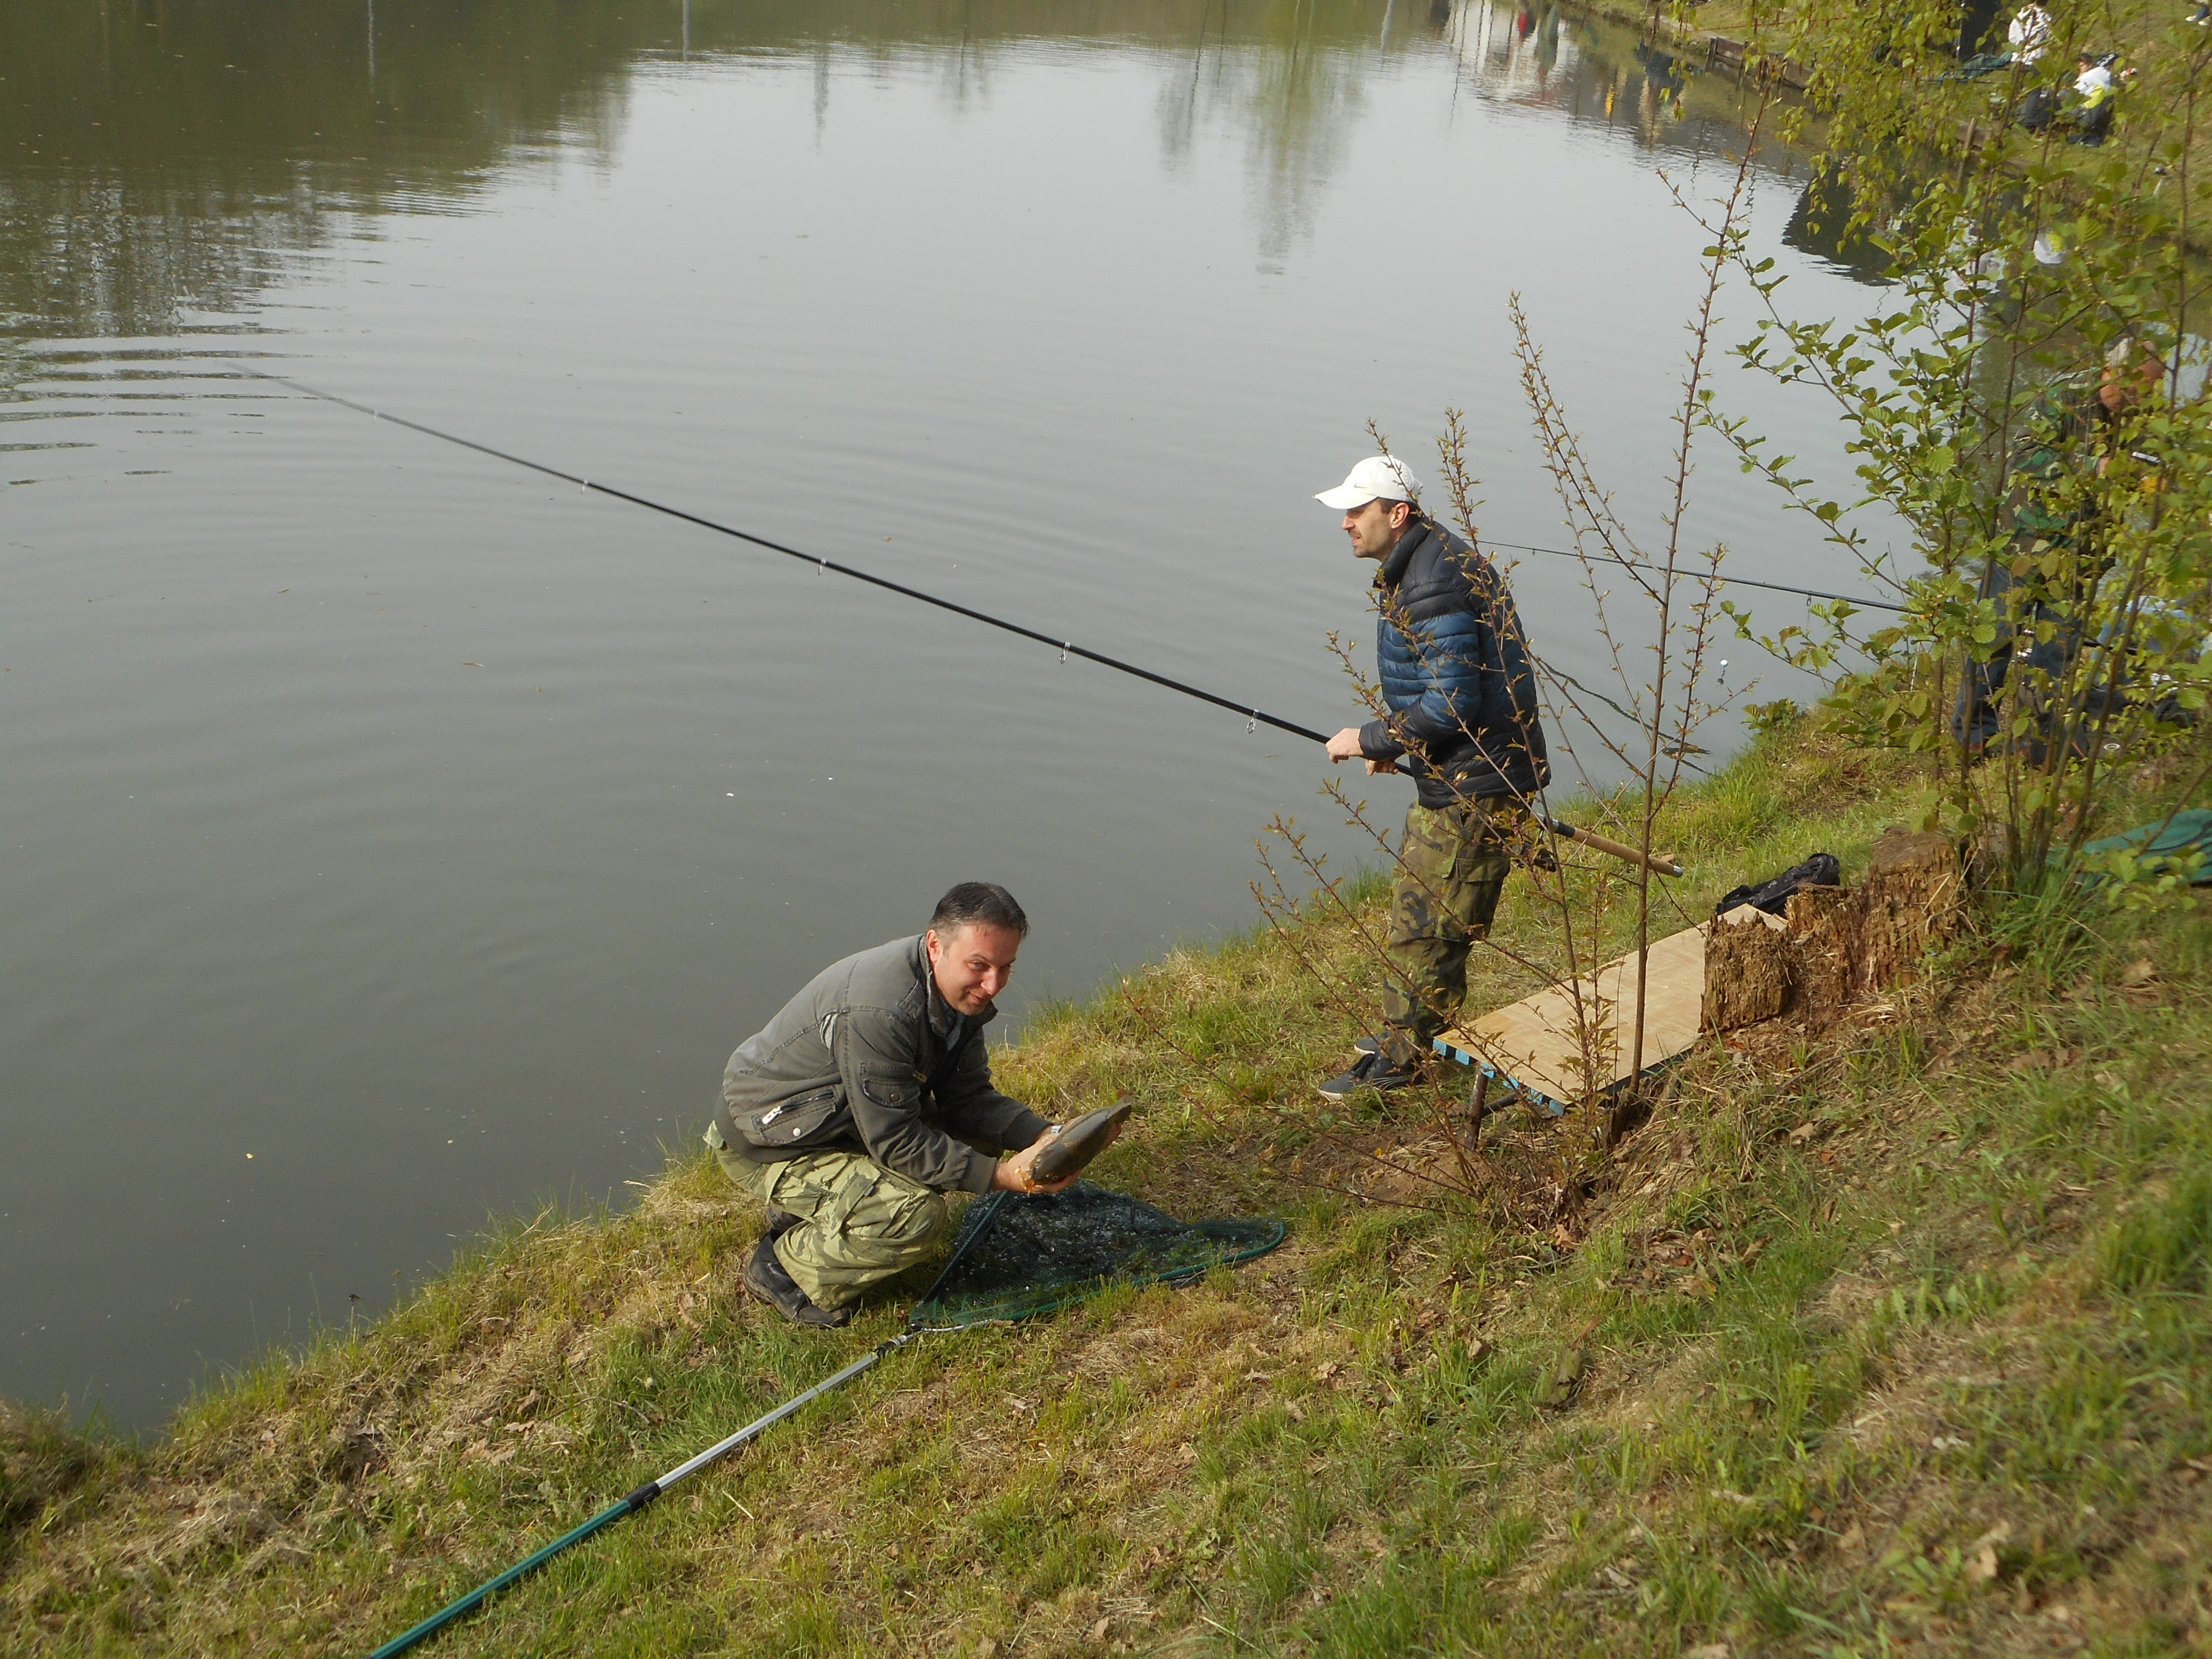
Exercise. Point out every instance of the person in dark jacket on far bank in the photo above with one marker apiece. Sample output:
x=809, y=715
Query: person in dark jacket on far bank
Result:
x=1461, y=693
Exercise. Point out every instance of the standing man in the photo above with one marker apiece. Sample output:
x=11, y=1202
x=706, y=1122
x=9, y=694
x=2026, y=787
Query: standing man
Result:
x=1461, y=696
x=2045, y=579
x=867, y=1099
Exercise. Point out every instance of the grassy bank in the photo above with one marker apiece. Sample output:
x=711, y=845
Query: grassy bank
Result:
x=1892, y=1338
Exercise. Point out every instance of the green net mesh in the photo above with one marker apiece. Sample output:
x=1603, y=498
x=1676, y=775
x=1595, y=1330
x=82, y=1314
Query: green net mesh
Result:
x=1017, y=1255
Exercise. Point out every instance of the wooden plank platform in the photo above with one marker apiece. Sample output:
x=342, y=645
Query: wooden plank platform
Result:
x=1531, y=1046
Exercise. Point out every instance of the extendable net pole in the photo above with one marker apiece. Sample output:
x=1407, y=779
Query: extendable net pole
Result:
x=651, y=1489
x=634, y=1502
x=1015, y=1256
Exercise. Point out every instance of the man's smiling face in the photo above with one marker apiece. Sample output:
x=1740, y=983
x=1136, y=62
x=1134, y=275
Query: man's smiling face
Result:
x=971, y=963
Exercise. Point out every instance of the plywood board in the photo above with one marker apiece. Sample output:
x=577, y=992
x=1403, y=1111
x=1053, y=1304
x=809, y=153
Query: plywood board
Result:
x=1534, y=1044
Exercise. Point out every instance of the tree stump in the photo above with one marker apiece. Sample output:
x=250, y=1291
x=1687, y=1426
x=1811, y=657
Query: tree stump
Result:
x=1911, y=903
x=1824, y=926
x=1748, y=969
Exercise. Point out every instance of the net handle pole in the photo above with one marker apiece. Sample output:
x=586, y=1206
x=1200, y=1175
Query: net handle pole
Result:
x=996, y=1202
x=722, y=1447
x=653, y=1489
x=635, y=1501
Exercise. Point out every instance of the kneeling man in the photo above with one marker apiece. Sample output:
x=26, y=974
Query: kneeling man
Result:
x=867, y=1099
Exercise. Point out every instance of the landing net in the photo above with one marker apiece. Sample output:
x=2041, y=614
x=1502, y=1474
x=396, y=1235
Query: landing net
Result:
x=1021, y=1254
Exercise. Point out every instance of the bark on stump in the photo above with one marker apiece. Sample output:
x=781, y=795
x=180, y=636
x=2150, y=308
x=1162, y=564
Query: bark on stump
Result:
x=1911, y=903
x=1824, y=932
x=1747, y=970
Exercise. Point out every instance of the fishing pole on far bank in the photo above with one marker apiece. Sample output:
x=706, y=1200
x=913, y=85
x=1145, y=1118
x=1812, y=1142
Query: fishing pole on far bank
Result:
x=1252, y=716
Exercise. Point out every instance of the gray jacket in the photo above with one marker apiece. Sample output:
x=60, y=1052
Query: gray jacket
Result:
x=870, y=1058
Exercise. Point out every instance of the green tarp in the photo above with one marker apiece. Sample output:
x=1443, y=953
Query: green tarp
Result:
x=2160, y=847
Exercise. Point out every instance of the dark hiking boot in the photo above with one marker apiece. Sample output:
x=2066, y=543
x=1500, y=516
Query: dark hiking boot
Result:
x=766, y=1278
x=1371, y=1071
x=780, y=1222
x=1367, y=1045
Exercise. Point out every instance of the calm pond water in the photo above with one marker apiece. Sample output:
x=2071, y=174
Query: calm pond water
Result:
x=392, y=839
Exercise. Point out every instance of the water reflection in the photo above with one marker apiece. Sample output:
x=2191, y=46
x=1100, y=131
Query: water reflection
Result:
x=1821, y=224
x=160, y=163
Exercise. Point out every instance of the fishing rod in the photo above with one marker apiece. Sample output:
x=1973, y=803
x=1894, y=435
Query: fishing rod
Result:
x=1066, y=647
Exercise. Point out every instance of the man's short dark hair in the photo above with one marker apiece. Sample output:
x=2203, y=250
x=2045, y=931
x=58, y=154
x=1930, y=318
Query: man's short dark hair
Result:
x=979, y=901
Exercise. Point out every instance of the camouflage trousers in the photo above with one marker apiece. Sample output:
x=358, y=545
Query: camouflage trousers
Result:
x=1452, y=865
x=858, y=1222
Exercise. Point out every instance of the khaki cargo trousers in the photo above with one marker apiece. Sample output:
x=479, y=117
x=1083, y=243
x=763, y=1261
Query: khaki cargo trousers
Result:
x=858, y=1222
x=1452, y=865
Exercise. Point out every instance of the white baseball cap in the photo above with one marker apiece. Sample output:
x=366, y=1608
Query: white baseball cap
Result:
x=1378, y=478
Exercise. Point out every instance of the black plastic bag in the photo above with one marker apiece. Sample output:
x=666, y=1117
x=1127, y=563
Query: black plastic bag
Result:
x=1821, y=870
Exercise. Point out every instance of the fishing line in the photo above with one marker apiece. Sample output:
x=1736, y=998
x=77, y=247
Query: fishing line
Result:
x=1863, y=603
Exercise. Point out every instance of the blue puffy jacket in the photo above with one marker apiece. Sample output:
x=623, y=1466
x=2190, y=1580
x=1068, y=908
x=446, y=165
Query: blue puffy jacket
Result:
x=1456, y=674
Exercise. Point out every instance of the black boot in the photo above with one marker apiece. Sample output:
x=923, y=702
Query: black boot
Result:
x=1370, y=1071
x=766, y=1278
x=780, y=1222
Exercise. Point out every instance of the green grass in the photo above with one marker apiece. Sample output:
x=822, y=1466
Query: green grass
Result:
x=1893, y=1338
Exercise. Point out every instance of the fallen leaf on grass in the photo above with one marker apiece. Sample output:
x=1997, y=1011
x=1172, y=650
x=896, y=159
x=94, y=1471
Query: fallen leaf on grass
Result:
x=1984, y=1567
x=2137, y=973
x=1804, y=1131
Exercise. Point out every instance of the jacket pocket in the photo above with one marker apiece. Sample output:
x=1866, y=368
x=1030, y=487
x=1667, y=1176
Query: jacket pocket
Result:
x=791, y=1122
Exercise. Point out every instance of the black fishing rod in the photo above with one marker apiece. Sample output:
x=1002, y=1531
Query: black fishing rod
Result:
x=1067, y=647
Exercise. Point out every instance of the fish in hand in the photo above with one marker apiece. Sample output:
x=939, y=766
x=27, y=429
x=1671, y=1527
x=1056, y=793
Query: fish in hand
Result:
x=1079, y=1142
